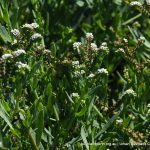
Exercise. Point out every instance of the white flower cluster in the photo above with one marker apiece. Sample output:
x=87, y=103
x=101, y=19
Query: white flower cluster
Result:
x=89, y=36
x=120, y=50
x=66, y=61
x=46, y=51
x=79, y=73
x=129, y=92
x=75, y=63
x=102, y=71
x=19, y=52
x=104, y=47
x=91, y=75
x=135, y=3
x=119, y=121
x=15, y=32
x=36, y=36
x=76, y=45
x=6, y=56
x=22, y=65
x=93, y=46
x=30, y=26
x=148, y=2
x=125, y=40
x=141, y=39
x=148, y=106
x=74, y=95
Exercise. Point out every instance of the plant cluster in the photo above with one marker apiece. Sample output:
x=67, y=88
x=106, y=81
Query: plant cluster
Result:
x=85, y=86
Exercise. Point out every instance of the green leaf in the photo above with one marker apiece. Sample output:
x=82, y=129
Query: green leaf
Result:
x=109, y=123
x=4, y=35
x=82, y=112
x=6, y=17
x=80, y=3
x=56, y=113
x=83, y=135
x=32, y=138
x=5, y=117
x=118, y=2
x=69, y=97
x=54, y=49
x=132, y=19
x=99, y=23
x=40, y=127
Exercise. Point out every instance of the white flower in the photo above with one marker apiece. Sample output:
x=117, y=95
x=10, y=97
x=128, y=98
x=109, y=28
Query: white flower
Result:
x=34, y=25
x=93, y=46
x=47, y=51
x=121, y=50
x=104, y=44
x=19, y=52
x=65, y=61
x=15, y=32
x=104, y=47
x=102, y=71
x=148, y=111
x=75, y=63
x=91, y=75
x=76, y=45
x=129, y=92
x=74, y=95
x=22, y=65
x=30, y=26
x=82, y=72
x=131, y=116
x=14, y=42
x=36, y=36
x=119, y=121
x=141, y=39
x=148, y=2
x=77, y=74
x=125, y=40
x=148, y=105
x=135, y=3
x=89, y=36
x=6, y=56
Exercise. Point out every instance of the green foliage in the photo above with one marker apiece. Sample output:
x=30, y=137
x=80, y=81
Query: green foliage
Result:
x=58, y=93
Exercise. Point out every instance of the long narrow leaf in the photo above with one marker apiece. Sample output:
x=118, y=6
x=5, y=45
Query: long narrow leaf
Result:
x=83, y=135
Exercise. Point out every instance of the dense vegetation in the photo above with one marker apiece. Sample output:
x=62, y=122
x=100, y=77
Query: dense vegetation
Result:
x=74, y=74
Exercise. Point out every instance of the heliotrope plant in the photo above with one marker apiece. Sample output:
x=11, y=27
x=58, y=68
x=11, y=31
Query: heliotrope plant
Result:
x=52, y=101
